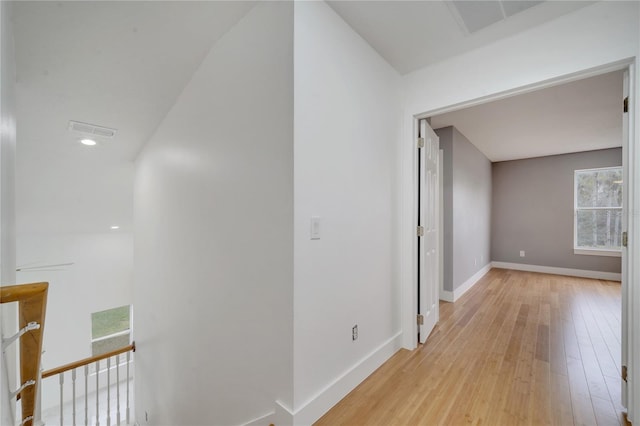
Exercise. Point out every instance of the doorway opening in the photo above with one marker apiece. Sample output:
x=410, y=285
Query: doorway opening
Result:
x=523, y=254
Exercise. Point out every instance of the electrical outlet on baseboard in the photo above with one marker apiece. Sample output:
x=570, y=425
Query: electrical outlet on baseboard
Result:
x=521, y=253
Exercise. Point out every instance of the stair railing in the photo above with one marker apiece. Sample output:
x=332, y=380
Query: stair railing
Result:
x=32, y=304
x=83, y=365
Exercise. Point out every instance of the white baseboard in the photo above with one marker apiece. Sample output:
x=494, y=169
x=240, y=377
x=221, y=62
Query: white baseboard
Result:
x=267, y=419
x=319, y=404
x=452, y=296
x=285, y=415
x=582, y=273
x=281, y=416
x=446, y=295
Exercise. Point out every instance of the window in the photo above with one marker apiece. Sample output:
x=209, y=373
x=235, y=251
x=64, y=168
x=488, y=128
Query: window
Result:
x=110, y=329
x=598, y=211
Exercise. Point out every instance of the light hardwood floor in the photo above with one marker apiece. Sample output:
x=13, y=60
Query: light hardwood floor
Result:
x=518, y=348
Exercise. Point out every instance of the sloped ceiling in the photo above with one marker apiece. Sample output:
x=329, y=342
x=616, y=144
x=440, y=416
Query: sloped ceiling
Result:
x=413, y=34
x=123, y=65
x=114, y=64
x=580, y=116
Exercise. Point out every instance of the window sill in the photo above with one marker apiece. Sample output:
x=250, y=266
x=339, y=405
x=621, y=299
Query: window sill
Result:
x=598, y=252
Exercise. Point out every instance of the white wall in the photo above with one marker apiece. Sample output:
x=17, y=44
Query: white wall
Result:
x=100, y=278
x=7, y=203
x=347, y=124
x=213, y=207
x=7, y=151
x=592, y=37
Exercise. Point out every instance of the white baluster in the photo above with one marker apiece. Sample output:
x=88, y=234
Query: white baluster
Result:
x=97, y=394
x=118, y=389
x=86, y=395
x=128, y=357
x=73, y=391
x=108, y=392
x=61, y=375
x=37, y=416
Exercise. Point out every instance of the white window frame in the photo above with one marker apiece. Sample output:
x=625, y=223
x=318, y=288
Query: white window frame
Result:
x=587, y=250
x=117, y=333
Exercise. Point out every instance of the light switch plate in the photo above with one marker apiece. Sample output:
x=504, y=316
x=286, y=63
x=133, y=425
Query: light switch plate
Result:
x=315, y=227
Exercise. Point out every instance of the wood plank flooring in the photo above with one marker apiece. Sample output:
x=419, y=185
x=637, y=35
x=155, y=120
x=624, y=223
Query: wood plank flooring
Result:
x=518, y=348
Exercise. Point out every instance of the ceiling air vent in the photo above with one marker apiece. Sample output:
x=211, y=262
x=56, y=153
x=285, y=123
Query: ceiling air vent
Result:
x=472, y=16
x=91, y=129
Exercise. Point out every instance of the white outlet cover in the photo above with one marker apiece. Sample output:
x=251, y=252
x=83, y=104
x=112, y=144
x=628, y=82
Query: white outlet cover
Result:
x=521, y=253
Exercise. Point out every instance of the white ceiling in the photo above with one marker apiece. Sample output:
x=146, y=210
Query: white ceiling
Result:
x=580, y=116
x=413, y=34
x=114, y=64
x=123, y=65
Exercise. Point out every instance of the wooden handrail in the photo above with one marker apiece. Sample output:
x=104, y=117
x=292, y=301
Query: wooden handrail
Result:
x=32, y=306
x=87, y=361
x=15, y=293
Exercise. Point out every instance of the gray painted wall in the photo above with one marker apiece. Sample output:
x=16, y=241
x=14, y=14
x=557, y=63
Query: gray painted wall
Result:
x=446, y=145
x=467, y=208
x=533, y=210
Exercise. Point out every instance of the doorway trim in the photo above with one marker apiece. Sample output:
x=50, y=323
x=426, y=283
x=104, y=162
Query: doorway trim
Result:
x=408, y=208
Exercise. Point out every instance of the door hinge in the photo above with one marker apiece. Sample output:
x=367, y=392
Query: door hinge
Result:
x=420, y=231
x=420, y=143
x=625, y=105
x=625, y=239
x=420, y=319
x=624, y=373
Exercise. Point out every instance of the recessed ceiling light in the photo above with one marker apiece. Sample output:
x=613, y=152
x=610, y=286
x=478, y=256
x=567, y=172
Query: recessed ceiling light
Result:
x=88, y=142
x=115, y=227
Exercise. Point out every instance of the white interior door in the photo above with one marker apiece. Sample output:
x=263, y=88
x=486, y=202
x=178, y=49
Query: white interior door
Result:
x=626, y=300
x=429, y=220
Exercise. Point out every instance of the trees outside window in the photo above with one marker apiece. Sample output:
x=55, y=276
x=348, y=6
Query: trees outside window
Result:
x=598, y=211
